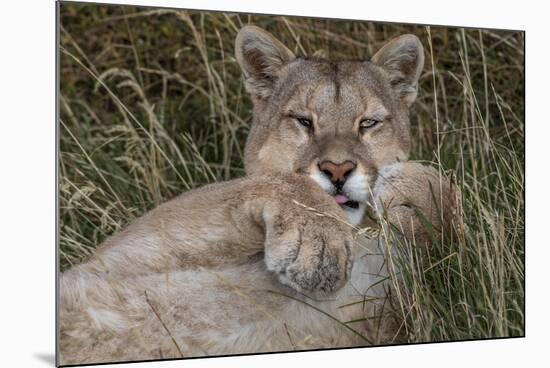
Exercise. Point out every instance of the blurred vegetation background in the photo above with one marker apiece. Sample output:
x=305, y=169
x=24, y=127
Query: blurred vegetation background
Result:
x=152, y=103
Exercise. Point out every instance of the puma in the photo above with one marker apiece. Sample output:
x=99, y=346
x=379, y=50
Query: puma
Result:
x=270, y=261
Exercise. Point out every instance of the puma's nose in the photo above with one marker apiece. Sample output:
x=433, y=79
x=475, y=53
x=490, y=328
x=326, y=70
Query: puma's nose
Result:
x=337, y=173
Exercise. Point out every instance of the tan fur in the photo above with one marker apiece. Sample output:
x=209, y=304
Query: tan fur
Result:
x=230, y=267
x=419, y=202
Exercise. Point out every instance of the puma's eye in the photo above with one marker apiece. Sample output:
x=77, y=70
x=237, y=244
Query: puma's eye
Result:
x=368, y=123
x=305, y=122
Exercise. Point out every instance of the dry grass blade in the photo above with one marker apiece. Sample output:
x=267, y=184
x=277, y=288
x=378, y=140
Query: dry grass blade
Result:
x=163, y=324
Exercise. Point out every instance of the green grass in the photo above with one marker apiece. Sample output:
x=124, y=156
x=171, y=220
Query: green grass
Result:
x=152, y=104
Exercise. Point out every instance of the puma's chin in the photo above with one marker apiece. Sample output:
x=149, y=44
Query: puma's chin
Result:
x=355, y=215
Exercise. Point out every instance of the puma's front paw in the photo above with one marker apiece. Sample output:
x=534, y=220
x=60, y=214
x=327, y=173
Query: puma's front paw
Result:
x=419, y=202
x=309, y=253
x=308, y=250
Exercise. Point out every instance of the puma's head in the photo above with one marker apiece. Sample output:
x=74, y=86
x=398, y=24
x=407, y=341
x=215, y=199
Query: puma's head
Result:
x=339, y=122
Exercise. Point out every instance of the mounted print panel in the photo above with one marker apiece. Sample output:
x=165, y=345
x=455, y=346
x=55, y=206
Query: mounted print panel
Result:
x=236, y=183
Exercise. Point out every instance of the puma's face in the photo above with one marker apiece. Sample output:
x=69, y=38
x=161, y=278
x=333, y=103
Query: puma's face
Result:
x=338, y=122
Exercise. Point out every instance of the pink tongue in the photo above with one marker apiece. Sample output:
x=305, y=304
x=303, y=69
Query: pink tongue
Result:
x=341, y=199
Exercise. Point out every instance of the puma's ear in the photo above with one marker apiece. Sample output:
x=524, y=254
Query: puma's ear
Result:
x=403, y=59
x=261, y=57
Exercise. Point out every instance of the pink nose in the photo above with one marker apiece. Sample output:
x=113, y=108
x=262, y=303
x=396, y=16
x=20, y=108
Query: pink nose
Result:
x=337, y=172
